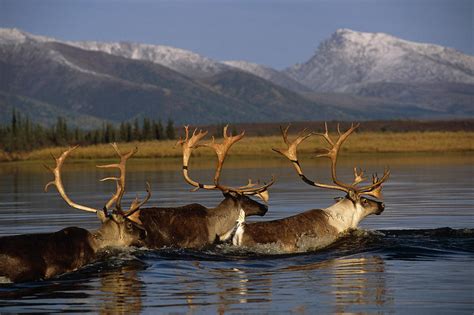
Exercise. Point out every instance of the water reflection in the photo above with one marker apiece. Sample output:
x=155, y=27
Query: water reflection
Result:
x=237, y=286
x=424, y=192
x=121, y=291
x=351, y=282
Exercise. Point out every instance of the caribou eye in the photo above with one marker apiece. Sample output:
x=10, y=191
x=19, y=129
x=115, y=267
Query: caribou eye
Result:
x=365, y=202
x=129, y=225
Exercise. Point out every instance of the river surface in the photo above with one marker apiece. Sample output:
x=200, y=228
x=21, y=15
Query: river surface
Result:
x=418, y=256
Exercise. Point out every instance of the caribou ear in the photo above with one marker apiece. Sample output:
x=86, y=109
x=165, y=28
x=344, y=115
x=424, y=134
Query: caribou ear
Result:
x=101, y=214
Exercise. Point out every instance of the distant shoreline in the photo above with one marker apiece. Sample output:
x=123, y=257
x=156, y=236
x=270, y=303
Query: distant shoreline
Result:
x=362, y=142
x=382, y=126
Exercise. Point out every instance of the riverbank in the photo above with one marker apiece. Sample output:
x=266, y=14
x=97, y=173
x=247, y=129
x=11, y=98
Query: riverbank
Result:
x=362, y=142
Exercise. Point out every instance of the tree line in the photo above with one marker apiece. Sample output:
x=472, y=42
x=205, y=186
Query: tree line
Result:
x=21, y=134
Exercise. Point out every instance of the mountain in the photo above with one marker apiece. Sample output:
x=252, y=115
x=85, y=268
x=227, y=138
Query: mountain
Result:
x=383, y=66
x=43, y=113
x=270, y=74
x=111, y=87
x=189, y=63
x=90, y=82
x=349, y=59
x=53, y=77
x=276, y=102
x=183, y=61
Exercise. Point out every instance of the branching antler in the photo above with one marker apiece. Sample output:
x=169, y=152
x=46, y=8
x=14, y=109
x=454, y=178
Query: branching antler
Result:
x=221, y=150
x=136, y=204
x=59, y=183
x=189, y=144
x=291, y=153
x=120, y=183
x=333, y=152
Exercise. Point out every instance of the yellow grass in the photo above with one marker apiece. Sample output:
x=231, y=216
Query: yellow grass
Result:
x=367, y=142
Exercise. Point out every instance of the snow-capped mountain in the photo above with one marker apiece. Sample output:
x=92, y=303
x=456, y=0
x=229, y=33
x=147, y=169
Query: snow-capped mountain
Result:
x=350, y=60
x=269, y=74
x=16, y=36
x=180, y=60
x=43, y=78
x=392, y=79
x=183, y=61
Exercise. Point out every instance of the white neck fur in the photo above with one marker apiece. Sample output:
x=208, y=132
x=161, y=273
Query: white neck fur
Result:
x=345, y=215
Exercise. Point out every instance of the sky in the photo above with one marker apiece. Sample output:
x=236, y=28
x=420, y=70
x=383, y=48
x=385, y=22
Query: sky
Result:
x=273, y=33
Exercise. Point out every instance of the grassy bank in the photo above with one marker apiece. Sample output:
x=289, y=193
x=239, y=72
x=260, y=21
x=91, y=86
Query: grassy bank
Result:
x=363, y=142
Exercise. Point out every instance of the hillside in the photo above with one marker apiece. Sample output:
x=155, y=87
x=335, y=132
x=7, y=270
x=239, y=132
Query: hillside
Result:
x=348, y=79
x=380, y=65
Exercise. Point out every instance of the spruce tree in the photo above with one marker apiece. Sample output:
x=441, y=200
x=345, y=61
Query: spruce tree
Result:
x=158, y=130
x=136, y=130
x=170, y=130
x=147, y=132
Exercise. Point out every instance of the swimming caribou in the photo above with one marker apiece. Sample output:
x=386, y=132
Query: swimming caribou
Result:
x=194, y=225
x=317, y=228
x=31, y=257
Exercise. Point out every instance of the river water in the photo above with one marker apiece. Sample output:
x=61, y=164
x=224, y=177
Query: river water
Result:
x=418, y=256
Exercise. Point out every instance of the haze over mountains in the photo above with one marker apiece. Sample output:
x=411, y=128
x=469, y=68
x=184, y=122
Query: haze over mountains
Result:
x=351, y=76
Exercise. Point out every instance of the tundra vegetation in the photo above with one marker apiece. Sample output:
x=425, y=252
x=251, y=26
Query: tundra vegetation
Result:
x=23, y=140
x=362, y=142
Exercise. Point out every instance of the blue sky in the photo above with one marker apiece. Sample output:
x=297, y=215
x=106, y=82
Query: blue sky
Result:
x=274, y=33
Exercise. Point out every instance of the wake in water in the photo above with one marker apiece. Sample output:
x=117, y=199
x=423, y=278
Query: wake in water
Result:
x=423, y=244
x=399, y=244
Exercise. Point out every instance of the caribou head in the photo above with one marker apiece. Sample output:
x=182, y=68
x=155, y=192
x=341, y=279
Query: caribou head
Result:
x=235, y=197
x=356, y=204
x=119, y=227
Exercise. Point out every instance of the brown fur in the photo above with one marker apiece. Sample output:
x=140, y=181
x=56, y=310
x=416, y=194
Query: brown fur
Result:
x=41, y=256
x=289, y=232
x=195, y=226
x=32, y=257
x=181, y=227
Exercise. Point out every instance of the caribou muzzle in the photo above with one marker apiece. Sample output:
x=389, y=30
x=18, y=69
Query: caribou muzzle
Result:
x=263, y=210
x=381, y=208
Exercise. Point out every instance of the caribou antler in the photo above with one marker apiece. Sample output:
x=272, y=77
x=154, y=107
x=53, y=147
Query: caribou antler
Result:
x=291, y=152
x=136, y=204
x=189, y=144
x=120, y=183
x=221, y=150
x=332, y=153
x=59, y=183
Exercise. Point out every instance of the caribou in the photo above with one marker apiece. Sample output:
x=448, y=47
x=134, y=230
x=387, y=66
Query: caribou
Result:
x=32, y=257
x=196, y=226
x=316, y=228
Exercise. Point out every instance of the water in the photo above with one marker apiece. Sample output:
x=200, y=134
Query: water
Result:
x=418, y=256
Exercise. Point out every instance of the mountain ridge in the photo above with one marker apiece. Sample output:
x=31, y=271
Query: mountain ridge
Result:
x=122, y=81
x=349, y=58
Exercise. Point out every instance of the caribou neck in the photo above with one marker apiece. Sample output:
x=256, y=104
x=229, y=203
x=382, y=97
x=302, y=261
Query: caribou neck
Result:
x=345, y=215
x=222, y=219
